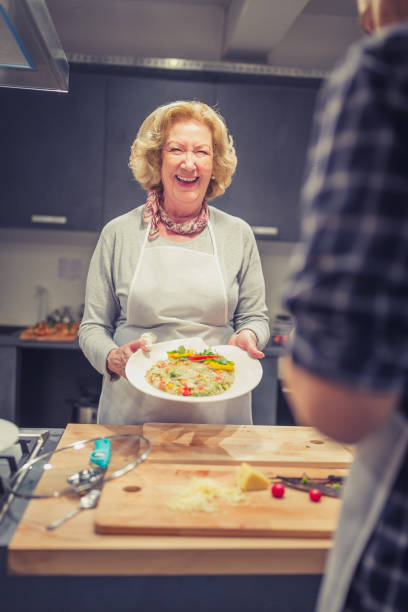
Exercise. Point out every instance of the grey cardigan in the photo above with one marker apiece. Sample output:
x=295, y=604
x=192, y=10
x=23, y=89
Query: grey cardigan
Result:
x=114, y=262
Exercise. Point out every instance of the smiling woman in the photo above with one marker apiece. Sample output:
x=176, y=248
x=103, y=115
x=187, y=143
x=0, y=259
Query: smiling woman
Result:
x=184, y=155
x=175, y=267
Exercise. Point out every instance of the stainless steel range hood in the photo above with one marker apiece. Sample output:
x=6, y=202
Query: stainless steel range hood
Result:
x=31, y=55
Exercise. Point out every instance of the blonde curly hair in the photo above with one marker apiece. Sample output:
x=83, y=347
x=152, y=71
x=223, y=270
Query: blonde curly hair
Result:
x=146, y=152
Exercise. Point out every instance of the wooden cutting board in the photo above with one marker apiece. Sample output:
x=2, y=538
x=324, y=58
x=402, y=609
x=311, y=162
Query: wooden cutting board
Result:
x=136, y=504
x=233, y=444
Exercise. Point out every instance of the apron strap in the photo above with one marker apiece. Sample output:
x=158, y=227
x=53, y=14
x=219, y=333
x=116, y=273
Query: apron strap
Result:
x=217, y=262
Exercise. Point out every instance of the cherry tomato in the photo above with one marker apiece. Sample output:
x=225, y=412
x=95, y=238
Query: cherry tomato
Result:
x=278, y=489
x=315, y=495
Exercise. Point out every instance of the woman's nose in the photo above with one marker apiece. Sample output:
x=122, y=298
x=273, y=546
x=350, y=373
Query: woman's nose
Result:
x=189, y=160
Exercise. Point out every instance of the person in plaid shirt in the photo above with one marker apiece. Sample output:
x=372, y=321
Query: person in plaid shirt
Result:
x=348, y=294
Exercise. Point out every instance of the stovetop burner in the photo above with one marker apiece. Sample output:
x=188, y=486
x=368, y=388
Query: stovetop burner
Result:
x=32, y=442
x=28, y=446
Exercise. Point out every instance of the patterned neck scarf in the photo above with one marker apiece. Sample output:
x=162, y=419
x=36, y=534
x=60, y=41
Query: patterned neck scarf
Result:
x=153, y=211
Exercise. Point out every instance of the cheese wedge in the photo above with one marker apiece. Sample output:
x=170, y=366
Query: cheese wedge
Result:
x=250, y=479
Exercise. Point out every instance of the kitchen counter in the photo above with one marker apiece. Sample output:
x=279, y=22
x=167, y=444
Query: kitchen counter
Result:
x=9, y=336
x=77, y=569
x=75, y=549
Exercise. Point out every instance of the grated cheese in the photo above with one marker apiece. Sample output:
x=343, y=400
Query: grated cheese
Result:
x=201, y=494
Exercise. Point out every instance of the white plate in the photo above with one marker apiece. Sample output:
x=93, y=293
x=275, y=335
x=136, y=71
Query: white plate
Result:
x=8, y=434
x=248, y=371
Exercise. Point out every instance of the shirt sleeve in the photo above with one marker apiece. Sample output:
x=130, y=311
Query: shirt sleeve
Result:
x=101, y=306
x=251, y=311
x=348, y=290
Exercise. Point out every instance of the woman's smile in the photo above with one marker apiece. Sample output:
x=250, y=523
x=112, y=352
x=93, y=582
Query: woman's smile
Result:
x=187, y=181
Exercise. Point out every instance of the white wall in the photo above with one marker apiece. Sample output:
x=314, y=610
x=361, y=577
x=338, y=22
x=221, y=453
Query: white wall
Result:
x=54, y=265
x=34, y=259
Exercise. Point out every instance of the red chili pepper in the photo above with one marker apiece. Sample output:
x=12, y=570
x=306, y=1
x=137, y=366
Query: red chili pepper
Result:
x=202, y=357
x=186, y=390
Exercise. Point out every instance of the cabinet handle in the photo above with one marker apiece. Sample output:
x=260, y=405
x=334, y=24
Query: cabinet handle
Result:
x=48, y=219
x=266, y=231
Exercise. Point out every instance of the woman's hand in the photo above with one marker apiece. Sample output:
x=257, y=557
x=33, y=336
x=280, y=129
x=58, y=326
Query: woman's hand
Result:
x=246, y=340
x=118, y=358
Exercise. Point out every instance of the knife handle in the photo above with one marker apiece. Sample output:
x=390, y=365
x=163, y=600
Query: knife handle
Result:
x=102, y=453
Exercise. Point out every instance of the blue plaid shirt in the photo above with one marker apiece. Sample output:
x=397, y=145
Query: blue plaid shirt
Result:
x=348, y=292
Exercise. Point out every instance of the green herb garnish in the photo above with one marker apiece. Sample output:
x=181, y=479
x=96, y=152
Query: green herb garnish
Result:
x=222, y=361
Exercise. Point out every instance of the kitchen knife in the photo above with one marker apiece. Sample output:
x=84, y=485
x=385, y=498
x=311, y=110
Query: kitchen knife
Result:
x=332, y=486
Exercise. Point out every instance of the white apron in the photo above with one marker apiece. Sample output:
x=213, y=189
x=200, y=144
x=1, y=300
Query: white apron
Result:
x=175, y=293
x=375, y=467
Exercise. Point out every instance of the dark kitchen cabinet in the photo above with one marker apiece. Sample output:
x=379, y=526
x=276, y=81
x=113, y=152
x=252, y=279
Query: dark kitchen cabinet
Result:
x=264, y=396
x=64, y=157
x=53, y=382
x=43, y=384
x=51, y=156
x=9, y=382
x=241, y=593
x=130, y=100
x=271, y=127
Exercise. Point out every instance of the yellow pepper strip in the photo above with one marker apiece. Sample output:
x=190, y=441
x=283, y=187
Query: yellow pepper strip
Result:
x=220, y=366
x=177, y=355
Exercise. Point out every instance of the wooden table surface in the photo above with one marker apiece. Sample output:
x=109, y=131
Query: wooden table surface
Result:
x=75, y=549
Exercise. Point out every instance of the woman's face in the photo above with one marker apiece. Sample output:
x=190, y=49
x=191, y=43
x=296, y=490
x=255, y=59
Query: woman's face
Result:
x=187, y=163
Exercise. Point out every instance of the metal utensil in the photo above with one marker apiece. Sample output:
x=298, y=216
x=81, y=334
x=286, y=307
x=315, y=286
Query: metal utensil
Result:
x=101, y=457
x=89, y=500
x=86, y=476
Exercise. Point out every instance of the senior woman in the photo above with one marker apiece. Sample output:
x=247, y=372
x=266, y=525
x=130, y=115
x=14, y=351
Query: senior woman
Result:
x=174, y=266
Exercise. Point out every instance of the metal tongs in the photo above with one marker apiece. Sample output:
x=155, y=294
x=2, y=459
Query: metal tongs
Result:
x=90, y=478
x=332, y=486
